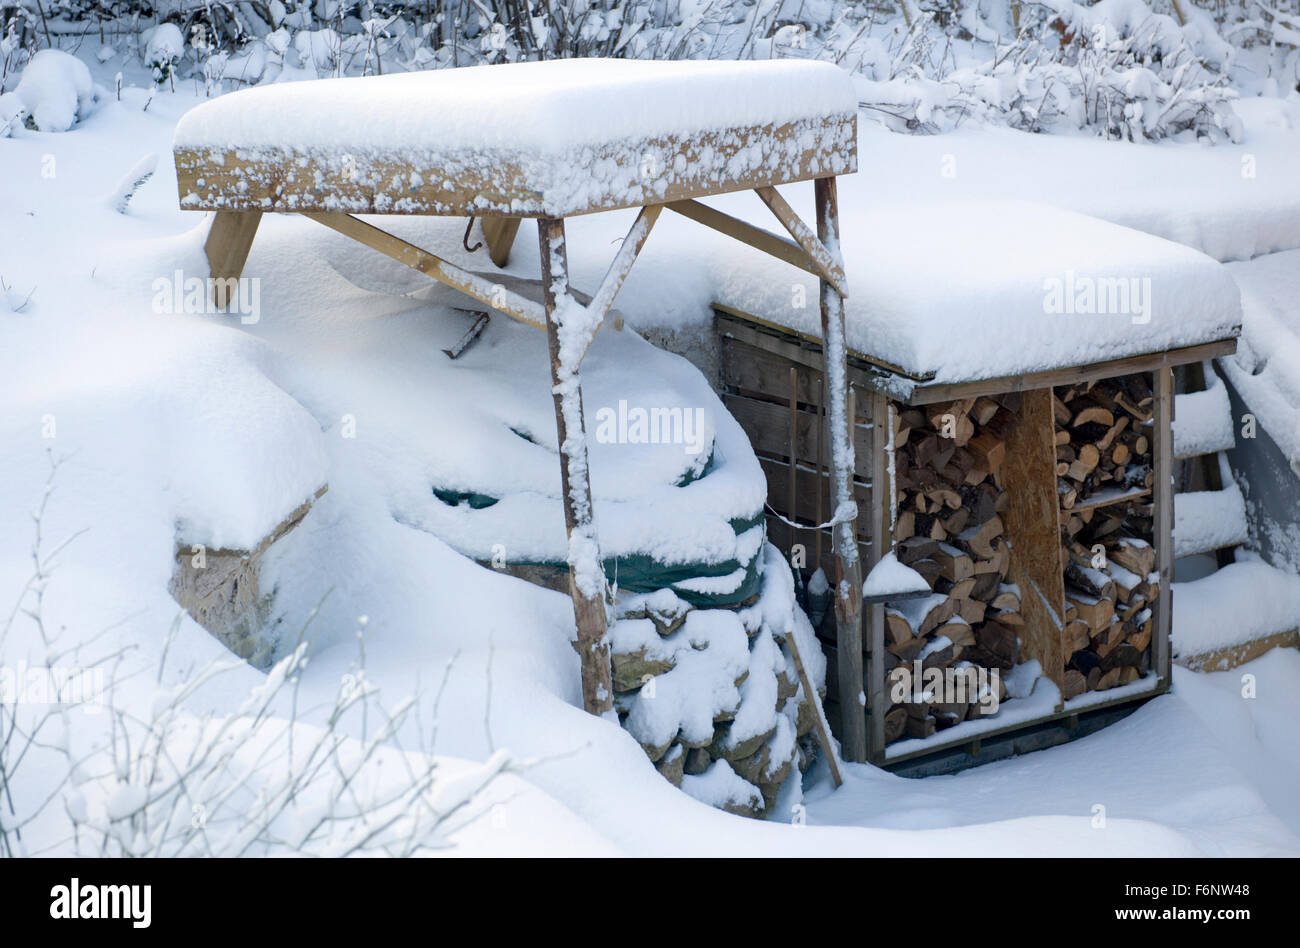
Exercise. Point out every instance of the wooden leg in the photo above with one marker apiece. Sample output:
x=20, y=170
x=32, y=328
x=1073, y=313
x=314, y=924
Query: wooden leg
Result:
x=500, y=235
x=882, y=488
x=586, y=576
x=227, y=246
x=848, y=600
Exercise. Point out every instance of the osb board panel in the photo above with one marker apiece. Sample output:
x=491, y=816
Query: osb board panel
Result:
x=1032, y=524
x=501, y=181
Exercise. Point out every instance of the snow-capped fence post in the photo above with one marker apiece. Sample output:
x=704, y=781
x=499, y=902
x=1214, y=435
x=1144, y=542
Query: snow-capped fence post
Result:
x=586, y=575
x=848, y=598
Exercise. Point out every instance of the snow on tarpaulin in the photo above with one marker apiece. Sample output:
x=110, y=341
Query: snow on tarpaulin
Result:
x=468, y=453
x=1203, y=420
x=976, y=290
x=1266, y=368
x=1206, y=520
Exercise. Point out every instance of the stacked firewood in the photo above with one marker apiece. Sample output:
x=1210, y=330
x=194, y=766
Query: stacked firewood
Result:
x=1105, y=474
x=948, y=527
x=1103, y=440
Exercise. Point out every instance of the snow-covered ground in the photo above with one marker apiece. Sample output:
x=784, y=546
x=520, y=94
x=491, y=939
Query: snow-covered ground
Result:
x=165, y=424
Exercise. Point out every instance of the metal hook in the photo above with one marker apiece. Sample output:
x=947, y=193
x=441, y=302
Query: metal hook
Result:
x=465, y=240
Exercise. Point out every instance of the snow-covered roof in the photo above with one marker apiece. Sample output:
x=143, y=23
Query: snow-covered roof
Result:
x=965, y=291
x=556, y=137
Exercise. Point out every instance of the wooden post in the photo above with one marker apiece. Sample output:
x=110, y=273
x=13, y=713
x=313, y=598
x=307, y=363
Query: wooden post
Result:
x=1163, y=498
x=586, y=580
x=792, y=510
x=229, y=240
x=882, y=492
x=848, y=598
x=819, y=513
x=499, y=232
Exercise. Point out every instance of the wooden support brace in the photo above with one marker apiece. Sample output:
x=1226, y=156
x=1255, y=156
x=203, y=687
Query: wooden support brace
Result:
x=485, y=291
x=621, y=265
x=848, y=599
x=769, y=243
x=229, y=240
x=820, y=724
x=825, y=263
x=499, y=232
x=586, y=579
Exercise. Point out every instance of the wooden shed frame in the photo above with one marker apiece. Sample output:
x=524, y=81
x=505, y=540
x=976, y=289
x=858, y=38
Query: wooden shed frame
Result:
x=1032, y=523
x=241, y=185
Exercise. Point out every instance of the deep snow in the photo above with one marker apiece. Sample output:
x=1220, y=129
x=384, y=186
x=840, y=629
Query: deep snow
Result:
x=165, y=418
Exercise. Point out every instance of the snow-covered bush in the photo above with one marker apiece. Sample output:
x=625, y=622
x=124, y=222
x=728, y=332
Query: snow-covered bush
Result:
x=14, y=52
x=55, y=90
x=254, y=783
x=1133, y=69
x=12, y=113
x=1116, y=68
x=163, y=51
x=88, y=768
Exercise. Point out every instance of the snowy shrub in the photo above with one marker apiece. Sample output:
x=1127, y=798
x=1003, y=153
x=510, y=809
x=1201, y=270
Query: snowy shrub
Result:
x=56, y=91
x=320, y=50
x=1133, y=69
x=253, y=783
x=14, y=53
x=92, y=768
x=12, y=113
x=1115, y=68
x=163, y=51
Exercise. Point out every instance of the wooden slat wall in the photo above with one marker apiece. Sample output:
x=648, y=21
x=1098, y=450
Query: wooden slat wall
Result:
x=768, y=427
x=758, y=386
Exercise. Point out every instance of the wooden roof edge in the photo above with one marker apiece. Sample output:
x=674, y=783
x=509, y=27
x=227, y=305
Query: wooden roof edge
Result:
x=926, y=394
x=921, y=389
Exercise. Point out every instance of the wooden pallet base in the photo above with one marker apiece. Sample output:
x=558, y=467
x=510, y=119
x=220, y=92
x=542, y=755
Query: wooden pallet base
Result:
x=1023, y=739
x=1230, y=657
